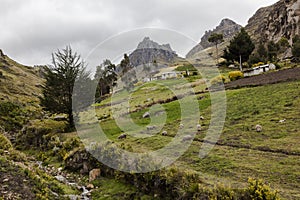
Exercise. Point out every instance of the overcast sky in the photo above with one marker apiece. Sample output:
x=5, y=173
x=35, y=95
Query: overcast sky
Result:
x=31, y=30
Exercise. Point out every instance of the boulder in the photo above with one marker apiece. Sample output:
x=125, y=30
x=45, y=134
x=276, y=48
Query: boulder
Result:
x=146, y=115
x=93, y=174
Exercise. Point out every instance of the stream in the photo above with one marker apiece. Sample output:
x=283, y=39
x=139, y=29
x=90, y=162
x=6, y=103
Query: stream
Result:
x=63, y=178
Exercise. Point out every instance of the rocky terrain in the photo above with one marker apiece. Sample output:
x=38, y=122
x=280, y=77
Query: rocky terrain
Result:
x=269, y=23
x=227, y=27
x=149, y=51
x=276, y=21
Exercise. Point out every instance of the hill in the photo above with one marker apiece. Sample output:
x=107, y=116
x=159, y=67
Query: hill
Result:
x=18, y=82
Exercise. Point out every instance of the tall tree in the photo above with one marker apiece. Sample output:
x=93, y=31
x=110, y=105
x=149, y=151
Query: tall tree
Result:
x=216, y=38
x=262, y=52
x=106, y=76
x=60, y=78
x=296, y=48
x=128, y=74
x=273, y=50
x=240, y=48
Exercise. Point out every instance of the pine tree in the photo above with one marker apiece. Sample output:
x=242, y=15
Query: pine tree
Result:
x=240, y=48
x=128, y=74
x=296, y=48
x=60, y=78
x=216, y=38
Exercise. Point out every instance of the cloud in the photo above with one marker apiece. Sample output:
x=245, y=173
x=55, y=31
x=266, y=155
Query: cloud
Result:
x=32, y=30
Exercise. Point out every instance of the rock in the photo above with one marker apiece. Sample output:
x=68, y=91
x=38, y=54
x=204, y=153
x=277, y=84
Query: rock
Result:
x=282, y=120
x=60, y=178
x=93, y=174
x=198, y=127
x=164, y=133
x=258, y=128
x=90, y=186
x=150, y=128
x=146, y=115
x=187, y=138
x=122, y=136
x=1, y=53
x=232, y=66
x=181, y=126
x=60, y=118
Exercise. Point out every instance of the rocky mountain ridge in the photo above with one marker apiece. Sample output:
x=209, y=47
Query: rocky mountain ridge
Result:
x=149, y=51
x=273, y=22
x=227, y=27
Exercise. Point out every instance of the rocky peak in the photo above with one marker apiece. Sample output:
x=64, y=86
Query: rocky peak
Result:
x=1, y=53
x=227, y=27
x=147, y=43
x=226, y=22
x=148, y=50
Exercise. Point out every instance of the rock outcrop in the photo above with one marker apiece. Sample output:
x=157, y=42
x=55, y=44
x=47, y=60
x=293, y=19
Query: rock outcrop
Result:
x=149, y=51
x=276, y=21
x=227, y=27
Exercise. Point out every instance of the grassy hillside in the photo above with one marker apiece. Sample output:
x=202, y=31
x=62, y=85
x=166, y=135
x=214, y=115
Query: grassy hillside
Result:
x=241, y=152
x=18, y=82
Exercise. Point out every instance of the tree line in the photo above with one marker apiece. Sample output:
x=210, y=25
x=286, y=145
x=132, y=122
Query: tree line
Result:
x=242, y=49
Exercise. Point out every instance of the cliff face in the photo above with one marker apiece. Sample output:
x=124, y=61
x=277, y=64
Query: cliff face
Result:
x=276, y=21
x=147, y=51
x=227, y=27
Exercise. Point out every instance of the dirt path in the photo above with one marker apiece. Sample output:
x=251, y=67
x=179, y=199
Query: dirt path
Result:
x=291, y=74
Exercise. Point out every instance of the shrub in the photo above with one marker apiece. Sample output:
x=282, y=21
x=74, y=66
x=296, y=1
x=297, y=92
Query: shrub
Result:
x=218, y=80
x=258, y=64
x=234, y=75
x=34, y=134
x=5, y=143
x=260, y=191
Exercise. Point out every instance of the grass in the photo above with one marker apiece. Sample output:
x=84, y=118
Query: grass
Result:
x=242, y=152
x=114, y=189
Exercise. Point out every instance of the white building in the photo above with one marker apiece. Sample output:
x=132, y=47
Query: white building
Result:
x=168, y=75
x=259, y=70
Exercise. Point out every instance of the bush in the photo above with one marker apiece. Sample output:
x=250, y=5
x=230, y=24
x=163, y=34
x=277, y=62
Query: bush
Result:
x=260, y=191
x=34, y=134
x=258, y=64
x=235, y=75
x=218, y=80
x=5, y=143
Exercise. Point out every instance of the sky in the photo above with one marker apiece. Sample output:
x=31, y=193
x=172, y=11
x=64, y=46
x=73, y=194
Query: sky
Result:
x=32, y=30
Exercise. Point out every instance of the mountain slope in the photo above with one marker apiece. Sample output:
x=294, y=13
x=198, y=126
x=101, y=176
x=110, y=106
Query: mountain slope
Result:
x=227, y=27
x=18, y=82
x=276, y=21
